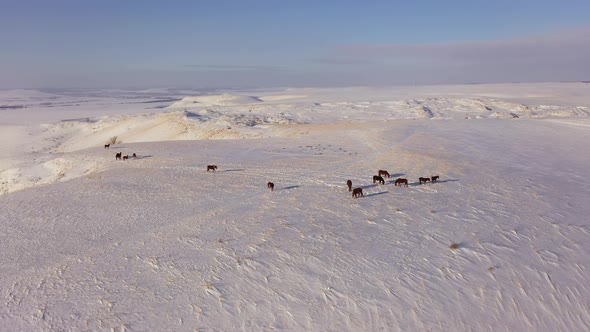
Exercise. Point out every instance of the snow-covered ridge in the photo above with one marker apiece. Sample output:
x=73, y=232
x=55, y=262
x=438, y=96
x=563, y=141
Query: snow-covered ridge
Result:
x=208, y=120
x=222, y=100
x=228, y=99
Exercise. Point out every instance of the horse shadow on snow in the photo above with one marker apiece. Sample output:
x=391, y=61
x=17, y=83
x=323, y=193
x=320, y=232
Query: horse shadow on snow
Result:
x=375, y=194
x=291, y=187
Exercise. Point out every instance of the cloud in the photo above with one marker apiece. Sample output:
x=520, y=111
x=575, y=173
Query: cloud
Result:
x=557, y=56
x=224, y=67
x=341, y=61
x=560, y=47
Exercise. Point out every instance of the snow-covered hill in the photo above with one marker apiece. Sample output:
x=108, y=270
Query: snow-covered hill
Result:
x=156, y=242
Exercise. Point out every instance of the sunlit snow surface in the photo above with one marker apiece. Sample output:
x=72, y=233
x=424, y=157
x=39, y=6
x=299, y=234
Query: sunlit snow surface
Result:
x=157, y=243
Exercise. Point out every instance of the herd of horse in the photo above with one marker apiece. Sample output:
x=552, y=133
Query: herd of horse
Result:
x=356, y=192
x=119, y=155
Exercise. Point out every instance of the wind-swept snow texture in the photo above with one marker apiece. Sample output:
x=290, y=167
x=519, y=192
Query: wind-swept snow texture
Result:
x=501, y=242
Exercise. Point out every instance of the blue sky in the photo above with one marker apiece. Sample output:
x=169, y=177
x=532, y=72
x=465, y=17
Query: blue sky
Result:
x=245, y=43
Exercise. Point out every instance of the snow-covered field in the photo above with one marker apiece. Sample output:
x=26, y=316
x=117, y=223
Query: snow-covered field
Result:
x=157, y=243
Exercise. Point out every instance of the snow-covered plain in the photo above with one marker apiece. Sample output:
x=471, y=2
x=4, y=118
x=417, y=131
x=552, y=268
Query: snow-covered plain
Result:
x=88, y=242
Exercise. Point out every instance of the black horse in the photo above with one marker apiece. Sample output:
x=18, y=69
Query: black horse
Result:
x=377, y=178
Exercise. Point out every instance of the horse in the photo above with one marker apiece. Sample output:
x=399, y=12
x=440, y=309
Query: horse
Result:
x=125, y=157
x=423, y=180
x=211, y=168
x=356, y=192
x=377, y=178
x=400, y=182
x=434, y=178
x=107, y=146
x=349, y=184
x=118, y=156
x=134, y=155
x=270, y=186
x=384, y=173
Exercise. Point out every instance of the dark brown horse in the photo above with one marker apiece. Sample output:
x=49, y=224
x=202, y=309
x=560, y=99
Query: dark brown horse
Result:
x=270, y=186
x=211, y=168
x=126, y=157
x=384, y=173
x=118, y=156
x=356, y=192
x=423, y=180
x=134, y=155
x=434, y=178
x=106, y=146
x=400, y=182
x=377, y=178
x=349, y=185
